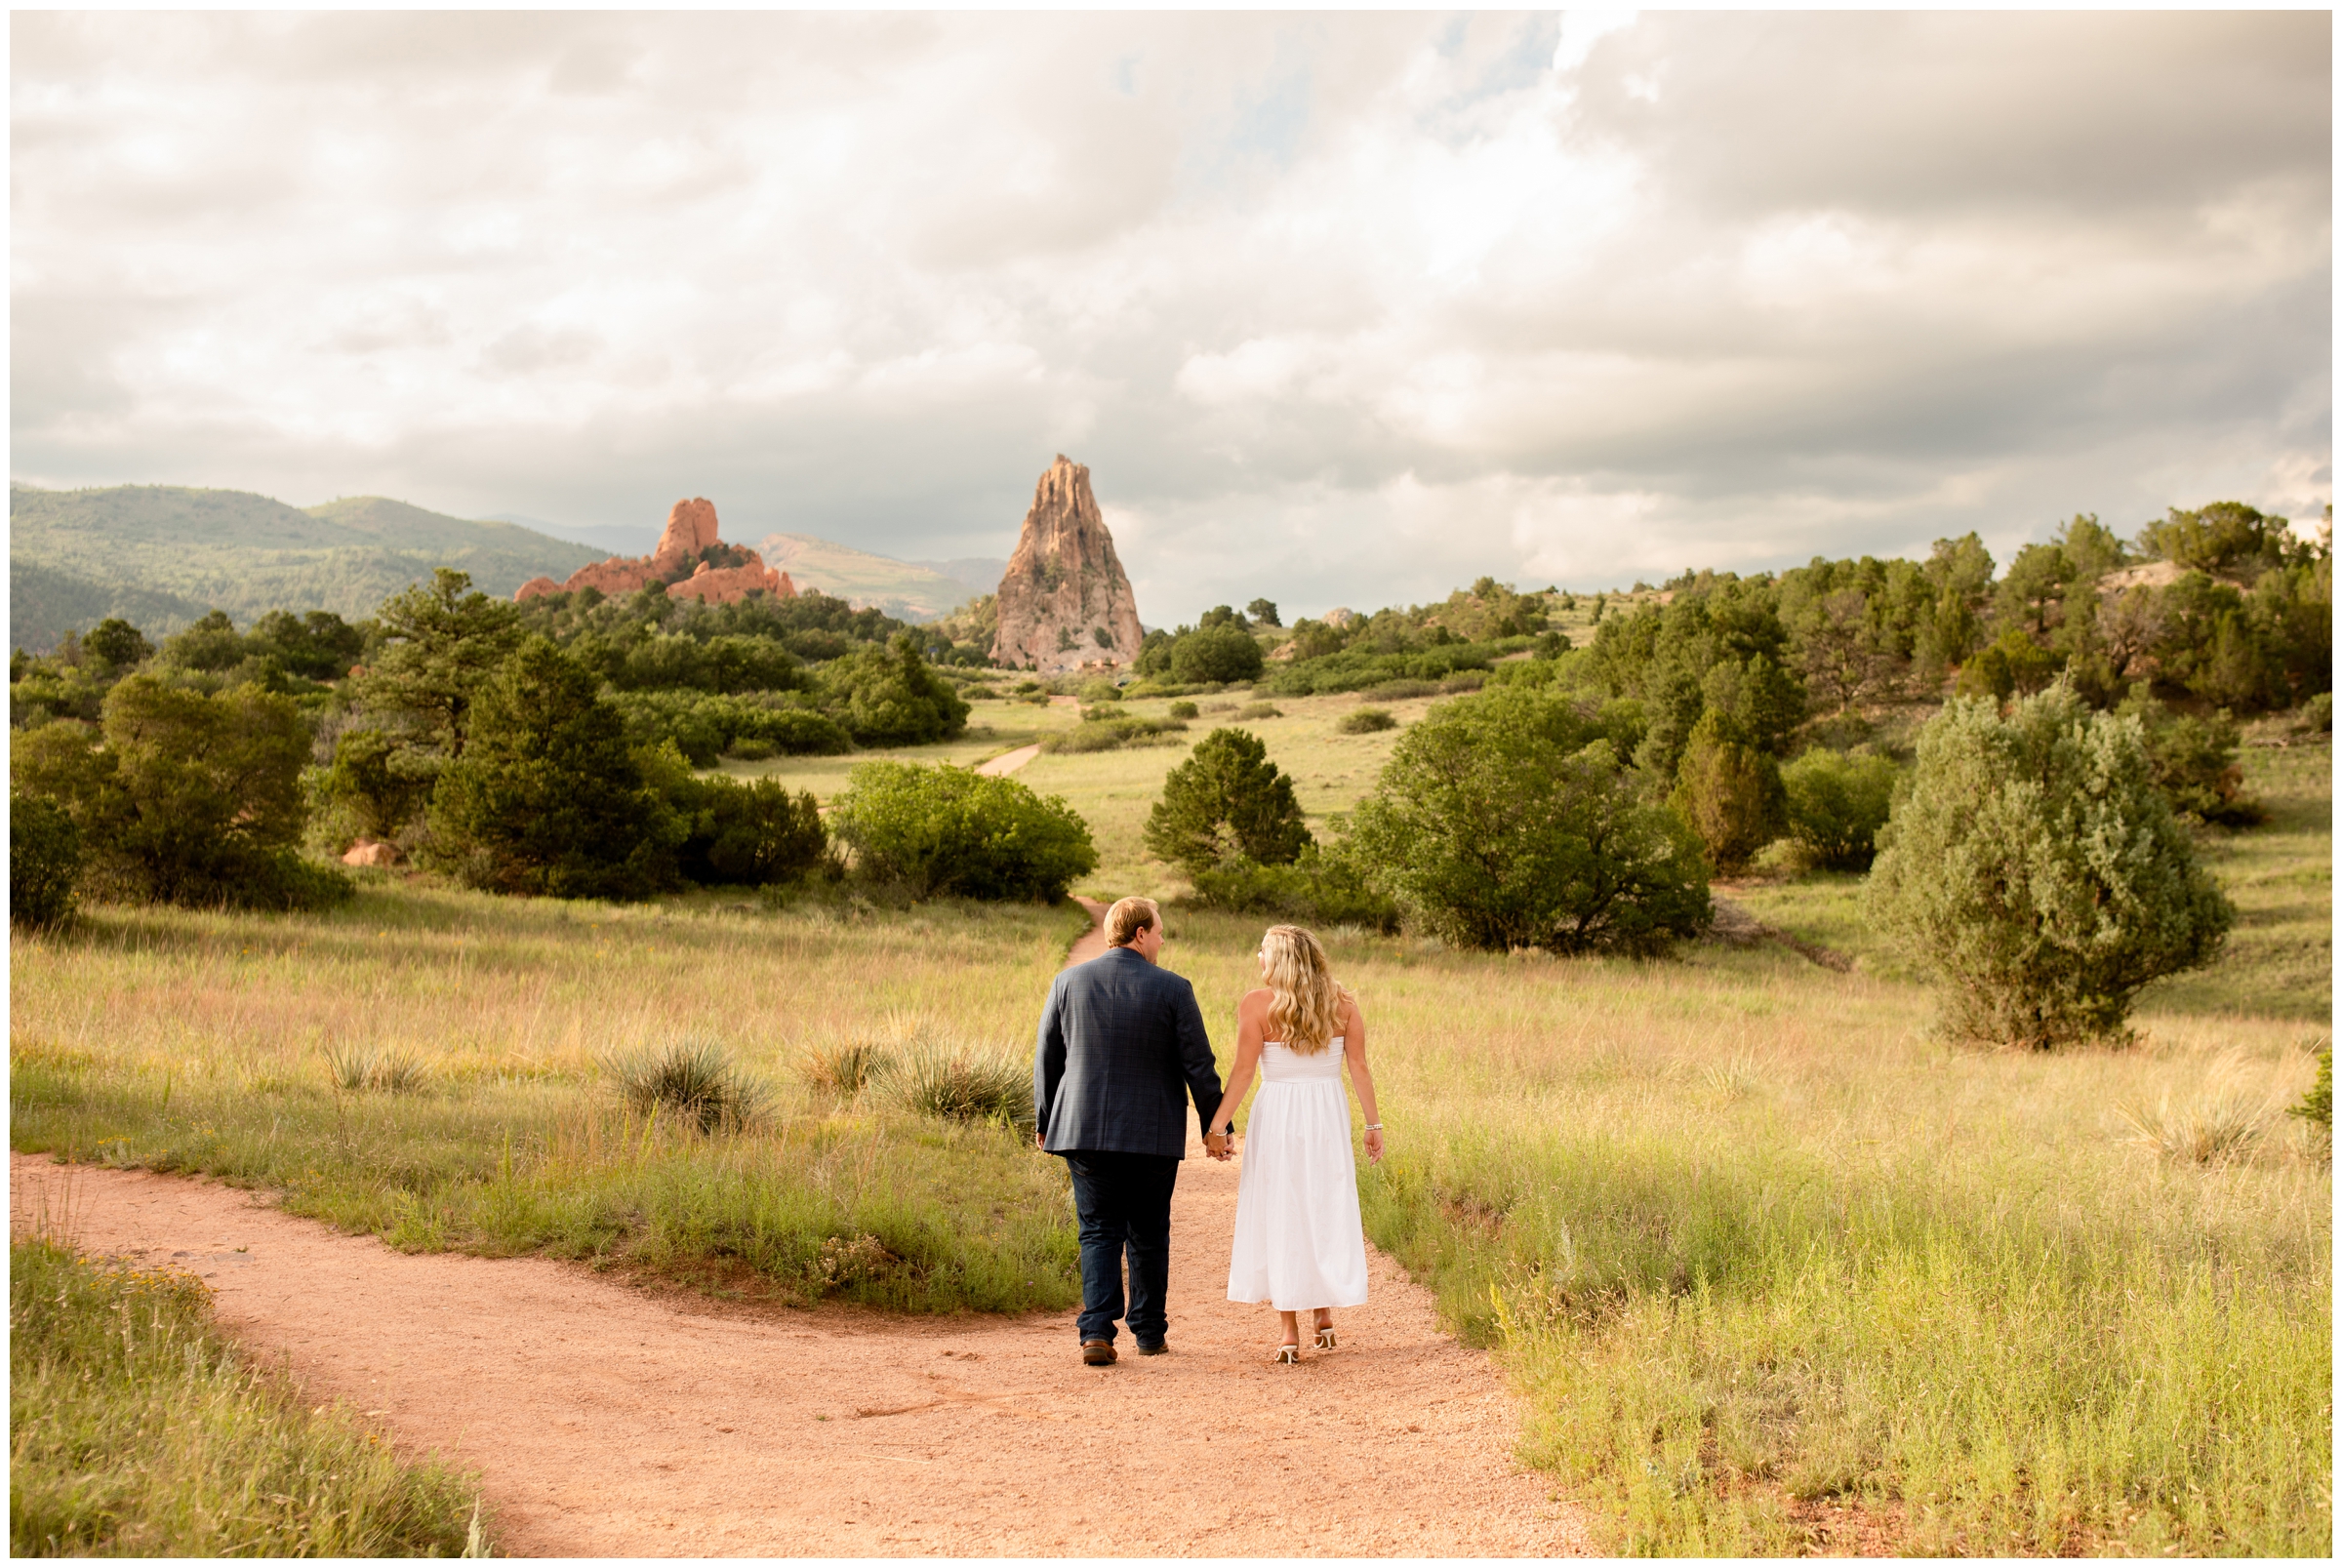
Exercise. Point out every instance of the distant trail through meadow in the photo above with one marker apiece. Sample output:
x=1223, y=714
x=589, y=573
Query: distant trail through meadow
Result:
x=610, y=1420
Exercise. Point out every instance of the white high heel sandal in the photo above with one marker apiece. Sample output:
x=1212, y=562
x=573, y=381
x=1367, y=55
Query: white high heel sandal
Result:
x=1325, y=1338
x=1288, y=1355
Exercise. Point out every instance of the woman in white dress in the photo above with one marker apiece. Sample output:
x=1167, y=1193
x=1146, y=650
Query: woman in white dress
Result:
x=1299, y=1245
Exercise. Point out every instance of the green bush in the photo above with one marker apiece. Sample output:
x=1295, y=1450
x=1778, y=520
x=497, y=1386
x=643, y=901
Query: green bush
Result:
x=2195, y=760
x=377, y=788
x=44, y=860
x=1837, y=803
x=548, y=799
x=1228, y=801
x=1260, y=710
x=1366, y=721
x=193, y=799
x=2316, y=1103
x=1114, y=734
x=137, y=1429
x=1319, y=889
x=941, y=830
x=1100, y=691
x=890, y=696
x=1505, y=820
x=1223, y=653
x=1728, y=791
x=2317, y=715
x=705, y=727
x=1184, y=711
x=2036, y=868
x=746, y=832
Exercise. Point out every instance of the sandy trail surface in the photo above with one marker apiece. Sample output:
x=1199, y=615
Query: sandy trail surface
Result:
x=609, y=1421
x=1008, y=762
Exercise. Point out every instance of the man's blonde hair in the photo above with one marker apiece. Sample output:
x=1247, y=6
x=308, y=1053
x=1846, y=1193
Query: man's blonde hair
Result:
x=1128, y=917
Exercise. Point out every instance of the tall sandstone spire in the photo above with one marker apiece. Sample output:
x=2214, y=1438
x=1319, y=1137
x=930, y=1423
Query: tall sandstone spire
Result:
x=1065, y=602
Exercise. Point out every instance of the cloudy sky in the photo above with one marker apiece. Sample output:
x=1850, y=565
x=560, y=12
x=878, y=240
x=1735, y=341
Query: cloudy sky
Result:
x=1338, y=308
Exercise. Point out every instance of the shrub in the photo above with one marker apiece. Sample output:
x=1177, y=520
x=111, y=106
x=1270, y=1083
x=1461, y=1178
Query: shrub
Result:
x=1184, y=711
x=356, y=1068
x=377, y=788
x=2316, y=1103
x=193, y=799
x=1366, y=721
x=1505, y=820
x=44, y=860
x=1100, y=691
x=693, y=1079
x=950, y=830
x=705, y=727
x=1114, y=734
x=1260, y=710
x=548, y=799
x=747, y=834
x=2035, y=867
x=965, y=1085
x=2195, y=762
x=2317, y=715
x=1398, y=691
x=1223, y=653
x=1226, y=801
x=889, y=696
x=1319, y=889
x=1728, y=791
x=1837, y=803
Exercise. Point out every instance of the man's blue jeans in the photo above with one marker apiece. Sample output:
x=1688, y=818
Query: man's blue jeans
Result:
x=1124, y=1202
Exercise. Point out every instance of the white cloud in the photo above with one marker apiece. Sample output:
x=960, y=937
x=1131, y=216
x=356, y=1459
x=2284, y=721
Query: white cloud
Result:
x=1337, y=308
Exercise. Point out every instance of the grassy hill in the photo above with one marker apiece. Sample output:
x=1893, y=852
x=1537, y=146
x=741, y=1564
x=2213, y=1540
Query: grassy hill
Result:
x=903, y=590
x=161, y=555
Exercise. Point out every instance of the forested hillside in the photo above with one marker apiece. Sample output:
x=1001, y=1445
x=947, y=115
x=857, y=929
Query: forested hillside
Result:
x=159, y=556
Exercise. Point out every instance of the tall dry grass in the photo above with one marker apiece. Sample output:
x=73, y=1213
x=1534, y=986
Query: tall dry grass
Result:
x=254, y=1048
x=1752, y=1243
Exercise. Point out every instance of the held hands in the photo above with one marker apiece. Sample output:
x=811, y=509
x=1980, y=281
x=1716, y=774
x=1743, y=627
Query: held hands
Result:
x=1220, y=1146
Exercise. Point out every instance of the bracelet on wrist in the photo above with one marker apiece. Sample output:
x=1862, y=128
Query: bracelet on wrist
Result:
x=1374, y=1126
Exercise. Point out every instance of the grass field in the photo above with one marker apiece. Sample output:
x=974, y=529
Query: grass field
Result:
x=1775, y=1270
x=137, y=1429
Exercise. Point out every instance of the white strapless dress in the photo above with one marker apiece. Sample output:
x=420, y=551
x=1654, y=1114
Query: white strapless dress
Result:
x=1299, y=1243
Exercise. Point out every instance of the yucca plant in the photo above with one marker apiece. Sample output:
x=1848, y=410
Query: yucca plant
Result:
x=845, y=1067
x=694, y=1079
x=358, y=1067
x=961, y=1084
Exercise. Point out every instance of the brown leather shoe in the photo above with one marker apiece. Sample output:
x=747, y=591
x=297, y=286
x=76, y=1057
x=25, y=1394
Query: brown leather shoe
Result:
x=1097, y=1352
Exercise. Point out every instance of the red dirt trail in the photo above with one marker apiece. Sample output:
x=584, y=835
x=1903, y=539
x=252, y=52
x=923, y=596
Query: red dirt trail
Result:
x=607, y=1421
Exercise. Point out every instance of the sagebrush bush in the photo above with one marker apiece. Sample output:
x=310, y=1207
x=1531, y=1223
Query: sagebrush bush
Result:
x=2037, y=869
x=1228, y=801
x=1505, y=820
x=1319, y=889
x=1260, y=710
x=693, y=1080
x=1366, y=721
x=1728, y=791
x=44, y=860
x=1836, y=803
x=939, y=830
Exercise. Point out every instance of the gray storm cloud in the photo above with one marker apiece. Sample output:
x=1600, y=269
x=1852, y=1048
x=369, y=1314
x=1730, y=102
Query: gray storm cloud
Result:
x=1337, y=308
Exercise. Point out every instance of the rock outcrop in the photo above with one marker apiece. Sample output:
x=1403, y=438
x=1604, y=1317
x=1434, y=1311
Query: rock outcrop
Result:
x=692, y=560
x=1065, y=602
x=369, y=852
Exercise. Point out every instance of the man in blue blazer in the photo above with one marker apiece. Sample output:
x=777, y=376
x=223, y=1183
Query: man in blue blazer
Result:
x=1121, y=1048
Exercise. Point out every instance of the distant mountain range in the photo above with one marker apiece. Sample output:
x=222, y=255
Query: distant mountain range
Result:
x=162, y=555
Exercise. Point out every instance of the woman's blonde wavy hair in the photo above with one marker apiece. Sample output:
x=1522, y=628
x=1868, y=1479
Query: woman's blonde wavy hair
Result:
x=1305, y=1001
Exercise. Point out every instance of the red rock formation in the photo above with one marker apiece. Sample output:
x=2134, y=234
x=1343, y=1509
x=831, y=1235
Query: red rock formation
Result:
x=1065, y=602
x=690, y=534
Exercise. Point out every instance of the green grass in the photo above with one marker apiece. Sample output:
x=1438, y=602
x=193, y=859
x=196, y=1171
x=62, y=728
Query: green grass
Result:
x=2279, y=960
x=185, y=1041
x=1752, y=1244
x=136, y=1429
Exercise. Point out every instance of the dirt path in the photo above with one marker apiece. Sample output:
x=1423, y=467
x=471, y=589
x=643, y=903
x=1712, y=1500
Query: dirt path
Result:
x=1008, y=762
x=606, y=1421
